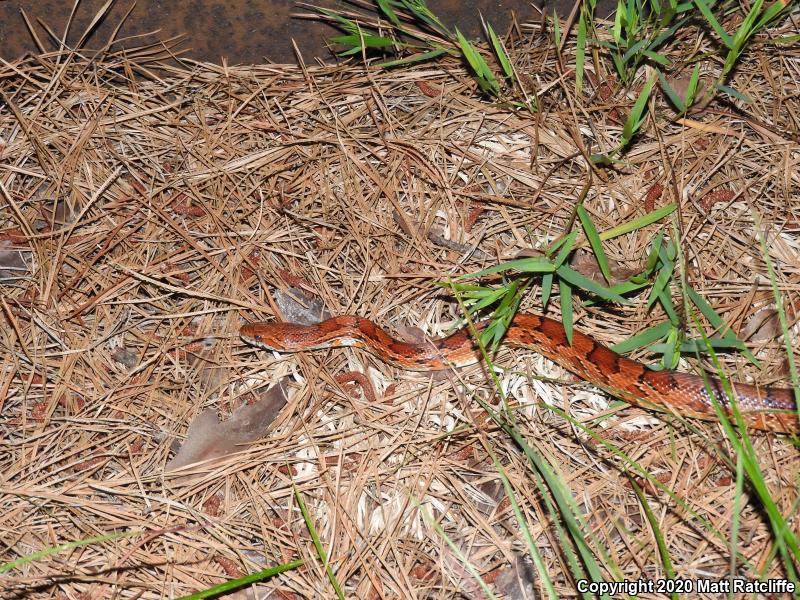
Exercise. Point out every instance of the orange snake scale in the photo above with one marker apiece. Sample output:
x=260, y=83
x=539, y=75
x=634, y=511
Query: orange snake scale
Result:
x=767, y=408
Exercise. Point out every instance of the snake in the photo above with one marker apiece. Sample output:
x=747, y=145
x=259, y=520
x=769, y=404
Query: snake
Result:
x=764, y=408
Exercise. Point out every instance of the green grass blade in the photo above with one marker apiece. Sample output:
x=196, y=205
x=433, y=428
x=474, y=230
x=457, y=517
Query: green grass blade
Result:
x=746, y=28
x=634, y=49
x=695, y=346
x=477, y=64
x=594, y=242
x=40, y=554
x=547, y=289
x=388, y=11
x=317, y=542
x=691, y=89
x=670, y=357
x=626, y=287
x=632, y=17
x=501, y=318
x=580, y=53
x=530, y=264
x=786, y=39
x=567, y=507
x=619, y=66
x=234, y=584
x=772, y=11
x=533, y=550
x=361, y=42
x=630, y=463
x=737, y=508
x=479, y=301
x=667, y=34
x=421, y=11
x=558, y=243
x=582, y=282
x=565, y=245
x=500, y=53
x=652, y=258
x=602, y=44
x=644, y=338
x=635, y=119
x=725, y=89
x=556, y=31
x=705, y=9
x=346, y=24
x=541, y=469
x=665, y=299
x=657, y=58
x=642, y=221
x=414, y=58
x=717, y=322
x=662, y=281
x=616, y=30
x=663, y=551
x=566, y=308
x=666, y=14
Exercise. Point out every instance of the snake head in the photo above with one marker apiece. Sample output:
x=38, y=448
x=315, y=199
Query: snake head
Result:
x=256, y=334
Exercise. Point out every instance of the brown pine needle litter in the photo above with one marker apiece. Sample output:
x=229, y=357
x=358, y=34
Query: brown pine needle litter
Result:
x=148, y=210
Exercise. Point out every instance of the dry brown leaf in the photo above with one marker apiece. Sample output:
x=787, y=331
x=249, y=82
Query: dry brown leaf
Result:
x=762, y=326
x=585, y=263
x=680, y=85
x=298, y=307
x=208, y=439
x=55, y=214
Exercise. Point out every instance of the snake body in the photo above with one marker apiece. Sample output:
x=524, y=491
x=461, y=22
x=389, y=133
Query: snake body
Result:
x=766, y=408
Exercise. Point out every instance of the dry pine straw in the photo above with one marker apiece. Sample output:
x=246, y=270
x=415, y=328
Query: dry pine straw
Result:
x=186, y=197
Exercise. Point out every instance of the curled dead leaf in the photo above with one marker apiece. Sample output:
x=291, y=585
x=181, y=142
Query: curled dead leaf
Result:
x=585, y=263
x=208, y=439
